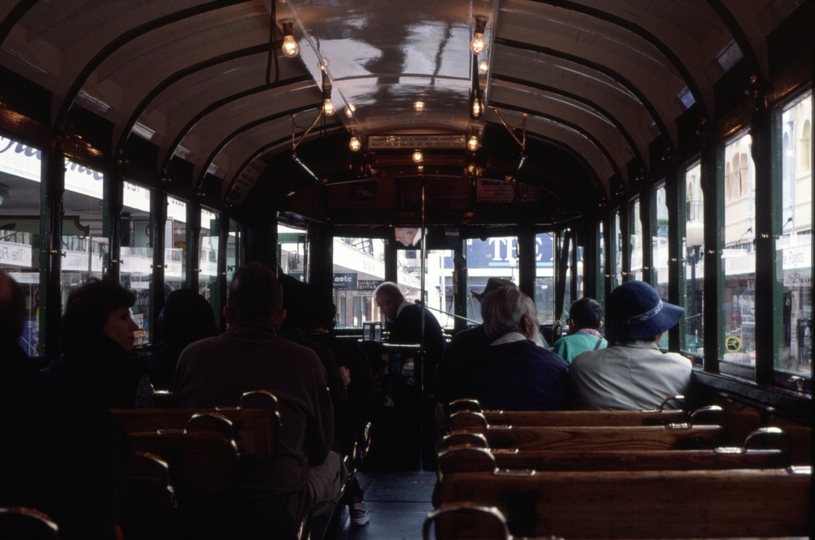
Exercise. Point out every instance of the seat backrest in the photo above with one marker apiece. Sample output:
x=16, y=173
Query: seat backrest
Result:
x=255, y=430
x=26, y=523
x=640, y=504
x=148, y=509
x=601, y=438
x=471, y=459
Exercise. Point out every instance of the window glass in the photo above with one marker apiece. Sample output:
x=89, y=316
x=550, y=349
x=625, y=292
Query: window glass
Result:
x=359, y=268
x=694, y=266
x=208, y=258
x=496, y=256
x=659, y=242
x=601, y=262
x=292, y=249
x=738, y=256
x=175, y=245
x=794, y=241
x=544, y=278
x=567, y=297
x=636, y=239
x=137, y=255
x=438, y=281
x=233, y=250
x=20, y=169
x=84, y=245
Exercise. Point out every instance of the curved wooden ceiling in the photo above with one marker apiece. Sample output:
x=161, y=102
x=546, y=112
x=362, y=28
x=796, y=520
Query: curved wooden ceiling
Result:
x=602, y=84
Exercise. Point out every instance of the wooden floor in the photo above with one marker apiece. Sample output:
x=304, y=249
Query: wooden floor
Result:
x=398, y=503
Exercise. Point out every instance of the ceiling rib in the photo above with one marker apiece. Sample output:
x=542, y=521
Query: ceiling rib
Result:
x=127, y=37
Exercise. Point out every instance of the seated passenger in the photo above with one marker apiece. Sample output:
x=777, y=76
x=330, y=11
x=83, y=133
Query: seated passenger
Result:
x=631, y=373
x=62, y=451
x=305, y=476
x=96, y=339
x=460, y=352
x=514, y=373
x=584, y=330
x=187, y=317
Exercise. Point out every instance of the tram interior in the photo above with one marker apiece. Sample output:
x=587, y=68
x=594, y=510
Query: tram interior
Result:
x=567, y=146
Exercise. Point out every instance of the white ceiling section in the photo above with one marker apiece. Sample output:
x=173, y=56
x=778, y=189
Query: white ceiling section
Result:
x=600, y=78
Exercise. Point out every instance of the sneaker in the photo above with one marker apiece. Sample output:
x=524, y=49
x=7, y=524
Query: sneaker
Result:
x=359, y=516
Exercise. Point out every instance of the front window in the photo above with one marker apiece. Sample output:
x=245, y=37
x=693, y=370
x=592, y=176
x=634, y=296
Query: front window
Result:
x=292, y=248
x=545, y=277
x=136, y=253
x=496, y=256
x=359, y=268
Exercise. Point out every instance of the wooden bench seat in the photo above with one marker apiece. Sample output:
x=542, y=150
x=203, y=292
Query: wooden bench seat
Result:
x=631, y=504
x=590, y=438
x=255, y=424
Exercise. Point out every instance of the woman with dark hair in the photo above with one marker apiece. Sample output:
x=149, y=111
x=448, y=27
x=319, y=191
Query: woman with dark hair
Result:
x=96, y=341
x=187, y=317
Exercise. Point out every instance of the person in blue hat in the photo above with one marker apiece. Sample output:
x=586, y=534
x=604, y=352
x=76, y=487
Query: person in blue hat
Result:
x=632, y=373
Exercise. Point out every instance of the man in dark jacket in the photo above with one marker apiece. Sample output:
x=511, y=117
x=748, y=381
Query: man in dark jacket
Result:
x=305, y=477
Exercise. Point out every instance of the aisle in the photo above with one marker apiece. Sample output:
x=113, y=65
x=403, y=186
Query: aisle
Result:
x=398, y=504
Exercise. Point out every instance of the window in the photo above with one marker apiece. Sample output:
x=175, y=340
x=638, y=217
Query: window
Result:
x=175, y=245
x=794, y=240
x=234, y=257
x=291, y=250
x=693, y=339
x=208, y=258
x=496, y=256
x=616, y=256
x=567, y=241
x=739, y=257
x=659, y=242
x=359, y=268
x=635, y=240
x=438, y=281
x=20, y=169
x=545, y=278
x=136, y=253
x=84, y=244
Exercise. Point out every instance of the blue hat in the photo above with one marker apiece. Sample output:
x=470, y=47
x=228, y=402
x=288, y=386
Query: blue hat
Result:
x=635, y=311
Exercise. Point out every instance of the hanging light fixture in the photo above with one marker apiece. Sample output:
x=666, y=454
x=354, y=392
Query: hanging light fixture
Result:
x=476, y=105
x=418, y=106
x=472, y=143
x=290, y=47
x=328, y=105
x=418, y=157
x=478, y=45
x=354, y=144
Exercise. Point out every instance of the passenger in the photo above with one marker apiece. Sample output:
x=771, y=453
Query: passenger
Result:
x=584, y=330
x=96, y=339
x=514, y=373
x=460, y=352
x=351, y=358
x=298, y=303
x=186, y=318
x=62, y=451
x=404, y=321
x=305, y=477
x=631, y=373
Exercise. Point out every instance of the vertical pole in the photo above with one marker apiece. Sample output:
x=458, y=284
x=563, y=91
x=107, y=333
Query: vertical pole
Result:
x=647, y=219
x=158, y=226
x=51, y=248
x=766, y=221
x=712, y=182
x=526, y=261
x=675, y=198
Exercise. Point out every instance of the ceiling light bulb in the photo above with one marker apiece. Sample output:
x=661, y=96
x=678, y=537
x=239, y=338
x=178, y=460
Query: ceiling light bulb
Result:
x=328, y=107
x=477, y=45
x=472, y=143
x=349, y=110
x=354, y=144
x=417, y=156
x=418, y=106
x=477, y=108
x=483, y=66
x=290, y=47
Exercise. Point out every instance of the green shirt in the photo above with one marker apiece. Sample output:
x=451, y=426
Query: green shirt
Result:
x=570, y=346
